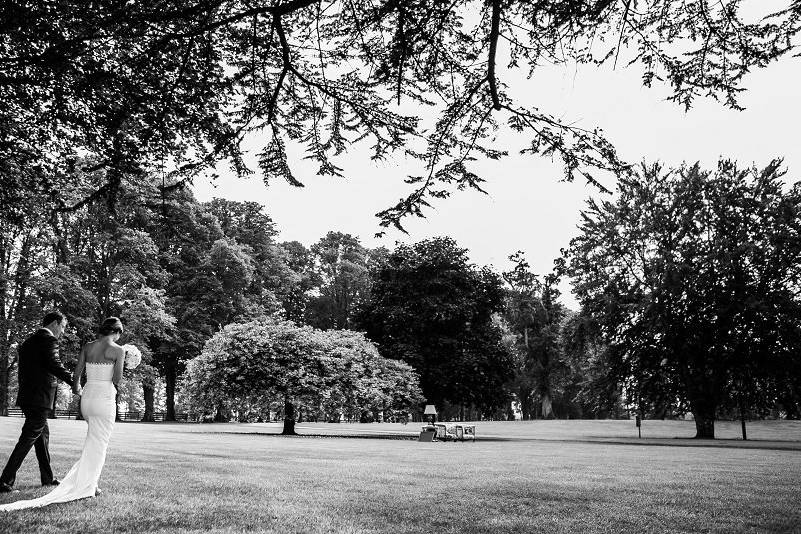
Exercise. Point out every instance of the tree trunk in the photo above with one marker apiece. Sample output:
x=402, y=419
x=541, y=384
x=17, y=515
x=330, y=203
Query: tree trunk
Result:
x=169, y=379
x=223, y=415
x=547, y=406
x=289, y=419
x=149, y=391
x=703, y=412
x=5, y=344
x=4, y=329
x=4, y=370
x=742, y=421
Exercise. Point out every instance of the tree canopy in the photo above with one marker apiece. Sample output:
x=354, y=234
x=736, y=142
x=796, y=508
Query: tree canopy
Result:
x=163, y=90
x=694, y=280
x=268, y=361
x=434, y=310
x=534, y=316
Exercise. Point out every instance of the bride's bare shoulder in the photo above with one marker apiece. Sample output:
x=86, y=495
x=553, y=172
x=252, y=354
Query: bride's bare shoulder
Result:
x=113, y=352
x=116, y=351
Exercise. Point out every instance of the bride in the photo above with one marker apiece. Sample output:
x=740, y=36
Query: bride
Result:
x=103, y=360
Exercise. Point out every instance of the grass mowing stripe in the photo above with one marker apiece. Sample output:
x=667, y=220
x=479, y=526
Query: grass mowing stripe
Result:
x=181, y=478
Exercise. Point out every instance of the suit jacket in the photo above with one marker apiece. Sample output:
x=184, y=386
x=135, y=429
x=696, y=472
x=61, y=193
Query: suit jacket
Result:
x=39, y=367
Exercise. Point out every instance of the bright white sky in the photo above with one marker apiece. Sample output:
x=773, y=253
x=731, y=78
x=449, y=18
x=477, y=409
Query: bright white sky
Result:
x=528, y=208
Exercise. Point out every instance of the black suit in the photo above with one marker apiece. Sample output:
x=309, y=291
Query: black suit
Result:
x=39, y=369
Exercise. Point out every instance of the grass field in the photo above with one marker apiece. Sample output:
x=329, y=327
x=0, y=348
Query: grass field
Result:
x=554, y=476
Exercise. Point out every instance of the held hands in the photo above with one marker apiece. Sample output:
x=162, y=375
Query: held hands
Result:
x=77, y=389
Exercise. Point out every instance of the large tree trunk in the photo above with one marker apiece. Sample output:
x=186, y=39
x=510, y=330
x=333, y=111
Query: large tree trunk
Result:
x=10, y=312
x=289, y=419
x=547, y=406
x=742, y=419
x=4, y=336
x=149, y=393
x=4, y=370
x=169, y=379
x=703, y=411
x=223, y=414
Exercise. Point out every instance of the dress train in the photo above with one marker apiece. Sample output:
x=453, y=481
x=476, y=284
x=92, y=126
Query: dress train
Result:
x=98, y=406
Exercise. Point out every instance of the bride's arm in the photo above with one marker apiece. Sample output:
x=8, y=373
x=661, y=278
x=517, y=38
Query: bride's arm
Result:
x=119, y=362
x=76, y=375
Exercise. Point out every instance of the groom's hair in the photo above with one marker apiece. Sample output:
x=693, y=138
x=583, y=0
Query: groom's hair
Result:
x=52, y=316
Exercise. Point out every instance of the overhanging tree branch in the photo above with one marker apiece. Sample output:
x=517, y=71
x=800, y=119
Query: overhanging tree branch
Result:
x=493, y=49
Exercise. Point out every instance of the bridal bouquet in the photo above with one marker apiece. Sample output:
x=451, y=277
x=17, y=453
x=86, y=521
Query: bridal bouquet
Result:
x=133, y=357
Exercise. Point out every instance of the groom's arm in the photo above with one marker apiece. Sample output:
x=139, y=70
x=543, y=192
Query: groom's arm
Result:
x=53, y=363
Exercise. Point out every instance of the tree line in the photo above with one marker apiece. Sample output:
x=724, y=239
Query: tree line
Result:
x=688, y=284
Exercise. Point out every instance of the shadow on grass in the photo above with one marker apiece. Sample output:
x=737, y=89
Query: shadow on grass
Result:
x=387, y=436
x=776, y=445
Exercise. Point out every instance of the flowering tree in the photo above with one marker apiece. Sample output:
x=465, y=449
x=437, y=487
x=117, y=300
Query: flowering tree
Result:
x=270, y=360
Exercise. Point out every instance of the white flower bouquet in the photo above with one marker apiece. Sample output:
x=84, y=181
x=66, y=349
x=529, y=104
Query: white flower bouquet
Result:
x=133, y=356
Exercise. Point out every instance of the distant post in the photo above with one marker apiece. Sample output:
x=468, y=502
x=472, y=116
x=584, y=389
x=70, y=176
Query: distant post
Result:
x=638, y=422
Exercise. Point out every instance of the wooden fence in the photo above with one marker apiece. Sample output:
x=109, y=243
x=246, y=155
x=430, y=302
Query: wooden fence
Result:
x=157, y=416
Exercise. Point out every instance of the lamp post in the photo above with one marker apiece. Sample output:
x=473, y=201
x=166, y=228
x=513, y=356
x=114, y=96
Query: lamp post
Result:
x=431, y=412
x=429, y=431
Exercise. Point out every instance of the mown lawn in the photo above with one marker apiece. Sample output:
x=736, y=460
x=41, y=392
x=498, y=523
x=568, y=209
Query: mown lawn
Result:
x=520, y=478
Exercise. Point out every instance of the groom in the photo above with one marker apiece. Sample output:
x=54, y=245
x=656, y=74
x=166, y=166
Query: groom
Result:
x=39, y=367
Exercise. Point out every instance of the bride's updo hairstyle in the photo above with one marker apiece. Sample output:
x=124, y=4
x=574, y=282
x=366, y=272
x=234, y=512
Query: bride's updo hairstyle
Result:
x=110, y=326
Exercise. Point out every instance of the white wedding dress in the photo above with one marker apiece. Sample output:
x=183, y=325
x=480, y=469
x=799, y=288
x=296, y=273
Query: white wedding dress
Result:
x=98, y=405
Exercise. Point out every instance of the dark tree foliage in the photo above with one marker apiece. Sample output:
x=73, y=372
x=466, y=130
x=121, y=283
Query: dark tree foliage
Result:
x=247, y=224
x=305, y=278
x=342, y=264
x=534, y=315
x=694, y=279
x=432, y=309
x=139, y=86
x=185, y=232
x=24, y=253
x=225, y=266
x=592, y=390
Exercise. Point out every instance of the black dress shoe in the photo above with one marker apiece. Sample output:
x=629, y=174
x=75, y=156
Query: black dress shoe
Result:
x=5, y=488
x=54, y=482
